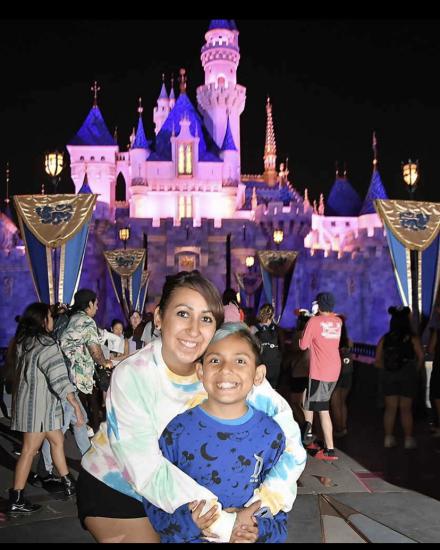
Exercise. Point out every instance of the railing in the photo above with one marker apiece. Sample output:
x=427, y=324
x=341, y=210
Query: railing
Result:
x=366, y=352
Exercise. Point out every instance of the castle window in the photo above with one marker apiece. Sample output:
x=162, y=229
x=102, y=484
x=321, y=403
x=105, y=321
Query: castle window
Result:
x=102, y=158
x=347, y=224
x=92, y=158
x=185, y=206
x=81, y=158
x=333, y=224
x=184, y=161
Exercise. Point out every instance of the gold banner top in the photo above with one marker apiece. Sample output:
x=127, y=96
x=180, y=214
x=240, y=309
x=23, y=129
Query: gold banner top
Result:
x=277, y=262
x=125, y=261
x=415, y=224
x=54, y=219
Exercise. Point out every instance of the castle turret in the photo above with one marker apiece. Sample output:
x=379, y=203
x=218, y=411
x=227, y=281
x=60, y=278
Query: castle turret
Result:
x=162, y=110
x=172, y=96
x=221, y=96
x=139, y=151
x=230, y=156
x=376, y=189
x=94, y=149
x=270, y=149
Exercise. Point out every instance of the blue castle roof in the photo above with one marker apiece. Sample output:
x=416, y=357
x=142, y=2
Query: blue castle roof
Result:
x=343, y=199
x=375, y=191
x=140, y=141
x=208, y=150
x=266, y=194
x=228, y=142
x=85, y=188
x=163, y=92
x=222, y=24
x=93, y=131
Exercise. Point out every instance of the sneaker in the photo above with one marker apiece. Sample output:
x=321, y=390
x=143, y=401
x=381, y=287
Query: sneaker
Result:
x=389, y=442
x=314, y=446
x=18, y=505
x=326, y=454
x=410, y=442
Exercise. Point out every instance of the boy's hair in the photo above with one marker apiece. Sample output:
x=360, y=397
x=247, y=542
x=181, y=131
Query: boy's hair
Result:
x=241, y=330
x=195, y=281
x=82, y=299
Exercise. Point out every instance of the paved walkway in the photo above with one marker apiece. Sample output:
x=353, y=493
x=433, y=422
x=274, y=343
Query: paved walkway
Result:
x=370, y=494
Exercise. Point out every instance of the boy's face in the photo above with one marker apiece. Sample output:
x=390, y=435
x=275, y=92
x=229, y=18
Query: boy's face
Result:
x=229, y=371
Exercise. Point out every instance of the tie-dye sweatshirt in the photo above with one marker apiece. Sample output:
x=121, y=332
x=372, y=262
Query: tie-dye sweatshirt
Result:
x=143, y=397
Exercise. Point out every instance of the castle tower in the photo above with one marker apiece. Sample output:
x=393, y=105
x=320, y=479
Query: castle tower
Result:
x=139, y=151
x=230, y=156
x=221, y=96
x=162, y=110
x=172, y=96
x=93, y=149
x=270, y=149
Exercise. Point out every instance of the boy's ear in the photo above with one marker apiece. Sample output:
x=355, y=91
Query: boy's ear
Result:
x=156, y=318
x=260, y=373
x=199, y=370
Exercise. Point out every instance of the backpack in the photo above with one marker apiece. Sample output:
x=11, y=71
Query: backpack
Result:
x=270, y=348
x=398, y=351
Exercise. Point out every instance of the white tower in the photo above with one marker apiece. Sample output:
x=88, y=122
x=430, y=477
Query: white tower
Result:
x=221, y=94
x=160, y=113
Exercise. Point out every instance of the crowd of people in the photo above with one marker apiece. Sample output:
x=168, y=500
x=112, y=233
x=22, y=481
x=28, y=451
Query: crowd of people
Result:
x=184, y=433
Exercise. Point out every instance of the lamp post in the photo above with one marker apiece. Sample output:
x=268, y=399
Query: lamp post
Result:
x=54, y=164
x=250, y=261
x=278, y=237
x=410, y=173
x=124, y=235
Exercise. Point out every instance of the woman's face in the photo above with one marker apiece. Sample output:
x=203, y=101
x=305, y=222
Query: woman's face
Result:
x=135, y=319
x=187, y=326
x=48, y=322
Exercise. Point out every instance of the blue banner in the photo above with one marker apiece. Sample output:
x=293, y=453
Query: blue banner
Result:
x=72, y=257
x=430, y=276
x=401, y=264
x=37, y=256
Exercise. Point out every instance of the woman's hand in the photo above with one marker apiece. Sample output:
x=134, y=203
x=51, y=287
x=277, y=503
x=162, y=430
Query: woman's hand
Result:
x=246, y=527
x=205, y=521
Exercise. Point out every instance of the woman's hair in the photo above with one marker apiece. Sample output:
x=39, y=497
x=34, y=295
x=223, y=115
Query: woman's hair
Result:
x=82, y=299
x=31, y=327
x=400, y=320
x=301, y=322
x=265, y=314
x=229, y=296
x=193, y=280
x=241, y=330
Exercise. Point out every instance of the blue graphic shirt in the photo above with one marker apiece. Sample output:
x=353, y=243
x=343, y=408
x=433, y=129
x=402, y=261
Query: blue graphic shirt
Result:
x=229, y=457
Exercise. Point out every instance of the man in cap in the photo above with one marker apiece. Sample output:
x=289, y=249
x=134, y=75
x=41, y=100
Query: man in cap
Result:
x=321, y=336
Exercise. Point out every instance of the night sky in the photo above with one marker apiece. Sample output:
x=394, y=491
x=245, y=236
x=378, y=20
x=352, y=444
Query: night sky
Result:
x=331, y=82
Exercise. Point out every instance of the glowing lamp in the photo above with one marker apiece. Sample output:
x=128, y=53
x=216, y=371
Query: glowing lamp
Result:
x=54, y=163
x=250, y=261
x=278, y=236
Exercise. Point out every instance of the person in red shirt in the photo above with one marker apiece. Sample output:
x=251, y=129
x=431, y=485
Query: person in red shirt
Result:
x=321, y=336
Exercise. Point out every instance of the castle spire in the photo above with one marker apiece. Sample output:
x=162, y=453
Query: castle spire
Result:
x=321, y=206
x=374, y=151
x=270, y=148
x=182, y=80
x=163, y=91
x=172, y=96
x=95, y=89
x=140, y=141
x=7, y=185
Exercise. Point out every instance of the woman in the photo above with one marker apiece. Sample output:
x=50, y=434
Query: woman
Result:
x=233, y=312
x=399, y=355
x=299, y=368
x=40, y=384
x=269, y=335
x=147, y=390
x=135, y=331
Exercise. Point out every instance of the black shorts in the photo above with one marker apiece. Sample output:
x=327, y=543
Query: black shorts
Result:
x=298, y=385
x=345, y=381
x=318, y=395
x=96, y=499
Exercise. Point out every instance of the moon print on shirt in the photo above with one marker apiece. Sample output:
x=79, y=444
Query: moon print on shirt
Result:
x=205, y=455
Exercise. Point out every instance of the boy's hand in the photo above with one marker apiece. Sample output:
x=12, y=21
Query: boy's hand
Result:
x=205, y=521
x=245, y=533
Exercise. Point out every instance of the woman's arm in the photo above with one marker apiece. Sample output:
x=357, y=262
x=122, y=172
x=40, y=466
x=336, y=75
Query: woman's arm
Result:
x=419, y=351
x=133, y=408
x=278, y=490
x=378, y=362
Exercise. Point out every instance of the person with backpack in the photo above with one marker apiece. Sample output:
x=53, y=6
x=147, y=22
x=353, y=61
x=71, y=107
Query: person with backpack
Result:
x=399, y=355
x=268, y=334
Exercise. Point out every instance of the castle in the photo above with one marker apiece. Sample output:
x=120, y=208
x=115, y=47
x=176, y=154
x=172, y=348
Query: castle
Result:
x=182, y=192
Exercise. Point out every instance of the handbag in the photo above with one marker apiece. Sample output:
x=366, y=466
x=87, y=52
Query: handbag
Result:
x=102, y=377
x=346, y=361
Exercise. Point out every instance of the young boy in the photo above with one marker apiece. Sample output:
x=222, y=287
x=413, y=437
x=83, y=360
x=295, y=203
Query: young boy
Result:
x=223, y=443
